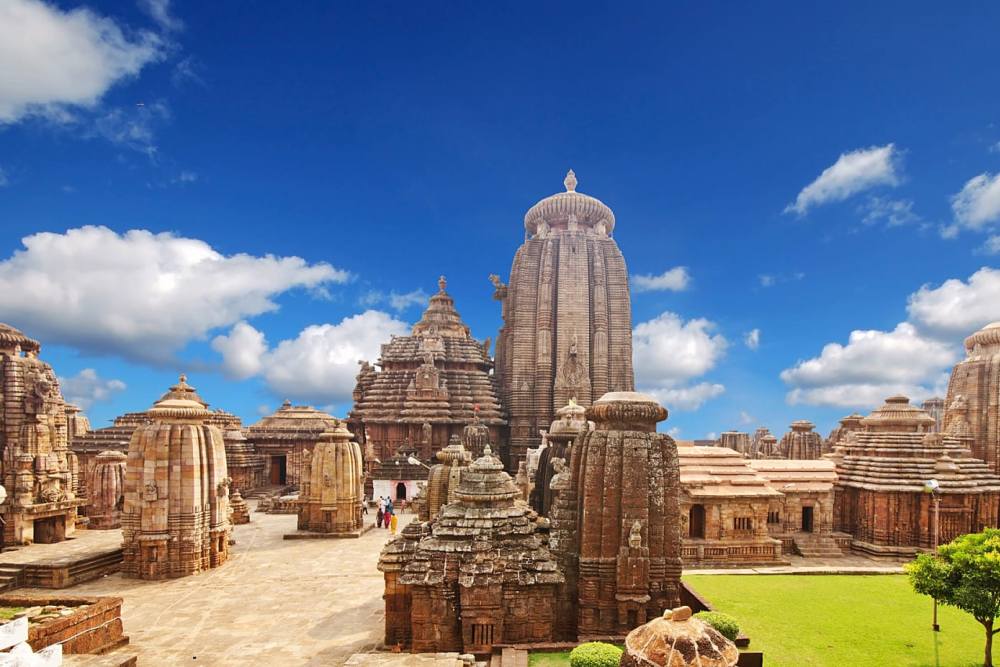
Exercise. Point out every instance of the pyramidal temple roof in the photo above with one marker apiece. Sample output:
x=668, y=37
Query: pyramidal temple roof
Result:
x=441, y=318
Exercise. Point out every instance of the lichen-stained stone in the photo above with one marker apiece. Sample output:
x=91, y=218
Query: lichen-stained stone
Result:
x=627, y=483
x=431, y=385
x=176, y=516
x=975, y=388
x=333, y=486
x=567, y=323
x=37, y=468
x=882, y=472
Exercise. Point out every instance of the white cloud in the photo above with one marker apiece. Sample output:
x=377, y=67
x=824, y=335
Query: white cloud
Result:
x=767, y=280
x=320, y=364
x=133, y=128
x=264, y=409
x=87, y=387
x=977, y=206
x=991, y=246
x=873, y=365
x=686, y=398
x=139, y=294
x=957, y=308
x=55, y=60
x=159, y=11
x=752, y=339
x=668, y=352
x=995, y=148
x=242, y=351
x=417, y=297
x=676, y=279
x=852, y=173
x=893, y=212
x=746, y=418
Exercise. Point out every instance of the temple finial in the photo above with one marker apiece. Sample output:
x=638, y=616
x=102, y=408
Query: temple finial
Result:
x=570, y=181
x=442, y=283
x=183, y=378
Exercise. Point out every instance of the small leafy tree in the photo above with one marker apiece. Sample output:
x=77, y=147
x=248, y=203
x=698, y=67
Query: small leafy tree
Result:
x=964, y=574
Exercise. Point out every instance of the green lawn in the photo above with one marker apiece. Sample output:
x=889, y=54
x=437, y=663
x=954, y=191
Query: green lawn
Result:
x=842, y=621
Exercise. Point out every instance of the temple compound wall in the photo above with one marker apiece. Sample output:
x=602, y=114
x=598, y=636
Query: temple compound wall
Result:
x=175, y=520
x=38, y=470
x=566, y=311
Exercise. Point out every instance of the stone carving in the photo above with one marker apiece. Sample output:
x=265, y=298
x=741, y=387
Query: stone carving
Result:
x=36, y=464
x=568, y=303
x=281, y=438
x=976, y=379
x=333, y=506
x=429, y=386
x=107, y=490
x=677, y=639
x=801, y=442
x=169, y=528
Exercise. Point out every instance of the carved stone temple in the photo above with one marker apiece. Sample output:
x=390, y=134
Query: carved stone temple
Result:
x=801, y=442
x=571, y=424
x=567, y=322
x=427, y=387
x=37, y=465
x=976, y=382
x=480, y=573
x=176, y=516
x=332, y=486
x=282, y=438
x=882, y=470
x=107, y=490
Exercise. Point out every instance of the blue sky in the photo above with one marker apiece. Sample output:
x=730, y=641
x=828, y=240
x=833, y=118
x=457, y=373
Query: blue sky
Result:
x=293, y=175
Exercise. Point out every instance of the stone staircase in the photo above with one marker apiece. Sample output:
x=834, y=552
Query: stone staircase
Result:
x=11, y=577
x=811, y=545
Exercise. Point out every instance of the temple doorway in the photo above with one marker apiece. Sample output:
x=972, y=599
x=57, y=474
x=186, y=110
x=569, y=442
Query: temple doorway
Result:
x=279, y=470
x=696, y=522
x=807, y=519
x=400, y=491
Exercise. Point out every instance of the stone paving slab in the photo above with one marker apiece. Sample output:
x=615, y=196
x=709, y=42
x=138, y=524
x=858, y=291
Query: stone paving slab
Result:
x=276, y=602
x=83, y=544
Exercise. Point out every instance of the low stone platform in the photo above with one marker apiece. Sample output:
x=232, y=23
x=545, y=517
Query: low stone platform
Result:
x=94, y=626
x=121, y=658
x=88, y=555
x=404, y=660
x=309, y=535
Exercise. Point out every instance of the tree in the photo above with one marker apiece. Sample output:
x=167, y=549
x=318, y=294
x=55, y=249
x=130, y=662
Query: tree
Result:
x=965, y=573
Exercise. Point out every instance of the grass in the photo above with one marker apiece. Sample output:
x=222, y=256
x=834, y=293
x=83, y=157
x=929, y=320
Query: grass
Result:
x=7, y=613
x=841, y=621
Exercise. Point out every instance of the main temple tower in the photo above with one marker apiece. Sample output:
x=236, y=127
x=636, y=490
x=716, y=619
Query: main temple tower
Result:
x=567, y=315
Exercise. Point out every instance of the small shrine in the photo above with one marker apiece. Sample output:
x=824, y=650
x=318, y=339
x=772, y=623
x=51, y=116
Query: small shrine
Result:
x=332, y=486
x=107, y=490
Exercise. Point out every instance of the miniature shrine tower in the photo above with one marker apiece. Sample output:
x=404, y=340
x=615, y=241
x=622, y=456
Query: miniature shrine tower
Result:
x=332, y=486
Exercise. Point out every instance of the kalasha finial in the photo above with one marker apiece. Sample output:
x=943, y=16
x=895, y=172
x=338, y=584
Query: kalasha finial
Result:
x=442, y=283
x=183, y=378
x=570, y=181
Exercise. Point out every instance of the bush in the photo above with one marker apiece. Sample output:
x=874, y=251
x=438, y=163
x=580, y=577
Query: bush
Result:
x=595, y=654
x=727, y=626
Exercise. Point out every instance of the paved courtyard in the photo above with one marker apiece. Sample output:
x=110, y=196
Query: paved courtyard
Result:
x=276, y=602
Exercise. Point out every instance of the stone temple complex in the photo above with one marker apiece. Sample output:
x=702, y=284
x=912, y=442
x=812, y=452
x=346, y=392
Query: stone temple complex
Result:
x=37, y=465
x=332, y=486
x=801, y=442
x=176, y=516
x=882, y=473
x=429, y=386
x=567, y=321
x=976, y=381
x=282, y=438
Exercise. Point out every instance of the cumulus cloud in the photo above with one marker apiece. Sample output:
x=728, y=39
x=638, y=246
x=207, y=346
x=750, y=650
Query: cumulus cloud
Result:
x=686, y=398
x=320, y=364
x=957, y=308
x=746, y=418
x=991, y=246
x=977, y=205
x=395, y=300
x=87, y=388
x=852, y=173
x=668, y=353
x=871, y=366
x=140, y=294
x=56, y=60
x=752, y=339
x=242, y=351
x=676, y=279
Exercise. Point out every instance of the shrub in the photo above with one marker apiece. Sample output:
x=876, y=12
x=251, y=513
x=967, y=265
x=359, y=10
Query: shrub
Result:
x=727, y=626
x=595, y=654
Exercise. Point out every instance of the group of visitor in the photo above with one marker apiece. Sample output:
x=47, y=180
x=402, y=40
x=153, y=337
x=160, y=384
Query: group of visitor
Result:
x=386, y=515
